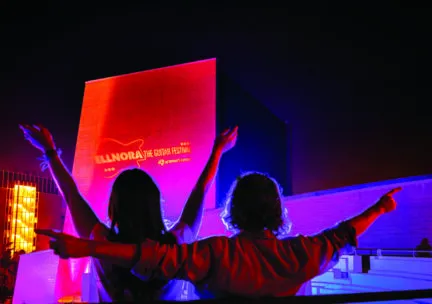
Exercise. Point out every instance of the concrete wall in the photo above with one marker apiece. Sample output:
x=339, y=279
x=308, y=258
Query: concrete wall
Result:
x=51, y=212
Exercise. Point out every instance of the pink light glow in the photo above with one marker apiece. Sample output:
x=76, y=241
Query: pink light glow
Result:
x=162, y=120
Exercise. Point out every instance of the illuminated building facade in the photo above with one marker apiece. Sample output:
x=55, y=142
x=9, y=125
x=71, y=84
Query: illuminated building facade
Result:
x=27, y=202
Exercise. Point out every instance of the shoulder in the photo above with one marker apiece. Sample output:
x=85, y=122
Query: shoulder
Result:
x=217, y=244
x=182, y=233
x=100, y=232
x=297, y=241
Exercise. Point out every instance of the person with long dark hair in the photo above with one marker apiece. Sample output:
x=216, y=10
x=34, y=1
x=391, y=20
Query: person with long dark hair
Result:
x=259, y=261
x=135, y=214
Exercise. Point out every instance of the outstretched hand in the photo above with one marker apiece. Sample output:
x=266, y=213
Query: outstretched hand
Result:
x=39, y=136
x=226, y=140
x=387, y=202
x=66, y=246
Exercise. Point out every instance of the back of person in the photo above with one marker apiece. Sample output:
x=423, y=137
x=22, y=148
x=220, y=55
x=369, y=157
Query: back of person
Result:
x=109, y=279
x=257, y=267
x=261, y=265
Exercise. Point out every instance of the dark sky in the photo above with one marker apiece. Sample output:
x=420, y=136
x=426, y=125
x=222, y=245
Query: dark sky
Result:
x=352, y=82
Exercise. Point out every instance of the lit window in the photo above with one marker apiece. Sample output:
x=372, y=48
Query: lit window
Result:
x=22, y=219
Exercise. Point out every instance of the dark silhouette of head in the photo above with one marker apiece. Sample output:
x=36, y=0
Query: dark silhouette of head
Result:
x=425, y=242
x=135, y=207
x=254, y=204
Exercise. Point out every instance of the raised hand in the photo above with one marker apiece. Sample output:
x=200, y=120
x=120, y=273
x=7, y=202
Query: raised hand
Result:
x=38, y=136
x=387, y=202
x=66, y=246
x=226, y=140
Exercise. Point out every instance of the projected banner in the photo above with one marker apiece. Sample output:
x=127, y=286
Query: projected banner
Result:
x=162, y=120
x=113, y=155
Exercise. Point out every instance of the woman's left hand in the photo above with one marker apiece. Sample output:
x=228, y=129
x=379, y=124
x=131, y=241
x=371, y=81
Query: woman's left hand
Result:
x=39, y=136
x=66, y=246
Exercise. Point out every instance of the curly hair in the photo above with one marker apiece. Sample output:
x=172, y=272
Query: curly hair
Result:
x=254, y=204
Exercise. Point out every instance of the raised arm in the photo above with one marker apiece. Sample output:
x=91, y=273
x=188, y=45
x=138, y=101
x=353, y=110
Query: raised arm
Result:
x=321, y=252
x=83, y=217
x=193, y=211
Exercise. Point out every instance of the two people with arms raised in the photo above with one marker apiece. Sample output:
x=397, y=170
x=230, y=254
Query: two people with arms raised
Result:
x=255, y=262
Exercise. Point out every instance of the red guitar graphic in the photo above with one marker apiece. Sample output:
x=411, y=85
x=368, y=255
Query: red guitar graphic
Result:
x=113, y=155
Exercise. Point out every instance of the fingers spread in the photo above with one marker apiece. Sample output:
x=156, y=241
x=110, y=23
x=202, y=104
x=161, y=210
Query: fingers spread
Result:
x=229, y=131
x=233, y=132
x=28, y=128
x=225, y=132
x=39, y=127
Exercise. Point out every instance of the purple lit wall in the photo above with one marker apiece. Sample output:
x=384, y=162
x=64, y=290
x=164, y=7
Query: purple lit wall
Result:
x=312, y=212
x=403, y=228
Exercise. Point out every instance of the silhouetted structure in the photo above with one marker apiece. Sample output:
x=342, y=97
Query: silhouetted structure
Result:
x=424, y=246
x=264, y=139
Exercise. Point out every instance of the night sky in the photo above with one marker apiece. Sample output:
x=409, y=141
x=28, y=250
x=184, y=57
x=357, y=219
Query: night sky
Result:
x=351, y=82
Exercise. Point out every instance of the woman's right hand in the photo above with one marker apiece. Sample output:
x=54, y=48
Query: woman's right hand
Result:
x=39, y=137
x=226, y=140
x=387, y=203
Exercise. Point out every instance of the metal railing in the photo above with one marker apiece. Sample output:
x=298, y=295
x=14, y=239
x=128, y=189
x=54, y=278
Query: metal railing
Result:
x=43, y=185
x=400, y=252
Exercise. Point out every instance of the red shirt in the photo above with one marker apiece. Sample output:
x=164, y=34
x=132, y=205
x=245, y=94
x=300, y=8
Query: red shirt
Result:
x=251, y=265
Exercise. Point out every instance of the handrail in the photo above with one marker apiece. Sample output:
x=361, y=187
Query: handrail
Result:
x=358, y=297
x=392, y=252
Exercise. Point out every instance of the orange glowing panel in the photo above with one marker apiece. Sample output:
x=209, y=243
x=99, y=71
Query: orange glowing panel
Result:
x=22, y=219
x=162, y=120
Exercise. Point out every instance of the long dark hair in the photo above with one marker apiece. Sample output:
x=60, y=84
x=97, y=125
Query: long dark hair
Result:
x=135, y=213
